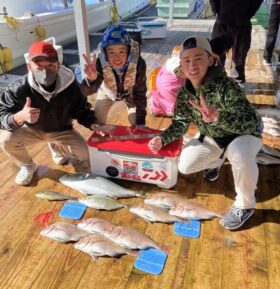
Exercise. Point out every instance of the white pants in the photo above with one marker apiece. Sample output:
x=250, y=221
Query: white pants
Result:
x=241, y=153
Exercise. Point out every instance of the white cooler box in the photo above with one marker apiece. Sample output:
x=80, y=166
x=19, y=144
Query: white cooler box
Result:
x=152, y=27
x=130, y=159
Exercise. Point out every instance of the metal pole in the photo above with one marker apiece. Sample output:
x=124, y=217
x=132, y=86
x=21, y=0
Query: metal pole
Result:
x=171, y=7
x=81, y=31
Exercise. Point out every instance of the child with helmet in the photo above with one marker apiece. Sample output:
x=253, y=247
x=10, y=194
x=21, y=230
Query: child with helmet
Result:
x=118, y=73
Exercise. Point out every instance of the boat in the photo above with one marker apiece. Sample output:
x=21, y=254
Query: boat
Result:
x=24, y=22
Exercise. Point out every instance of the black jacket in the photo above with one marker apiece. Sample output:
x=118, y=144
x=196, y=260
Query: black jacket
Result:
x=55, y=115
x=235, y=12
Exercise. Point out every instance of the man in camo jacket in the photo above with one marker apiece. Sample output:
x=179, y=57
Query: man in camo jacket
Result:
x=227, y=124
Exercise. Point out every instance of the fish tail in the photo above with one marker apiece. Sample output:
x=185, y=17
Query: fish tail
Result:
x=163, y=248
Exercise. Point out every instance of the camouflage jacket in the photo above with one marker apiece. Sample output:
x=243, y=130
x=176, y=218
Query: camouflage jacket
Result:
x=236, y=115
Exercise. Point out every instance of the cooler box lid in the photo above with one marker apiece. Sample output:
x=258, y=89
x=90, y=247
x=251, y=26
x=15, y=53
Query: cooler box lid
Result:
x=133, y=146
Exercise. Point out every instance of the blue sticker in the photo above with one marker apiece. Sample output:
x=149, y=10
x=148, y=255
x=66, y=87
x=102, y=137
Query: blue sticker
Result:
x=187, y=229
x=72, y=210
x=151, y=261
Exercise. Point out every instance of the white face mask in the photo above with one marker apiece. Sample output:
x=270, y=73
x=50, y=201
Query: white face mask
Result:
x=45, y=77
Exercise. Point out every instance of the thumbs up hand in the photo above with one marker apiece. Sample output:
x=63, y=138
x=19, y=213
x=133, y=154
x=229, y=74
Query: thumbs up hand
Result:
x=27, y=114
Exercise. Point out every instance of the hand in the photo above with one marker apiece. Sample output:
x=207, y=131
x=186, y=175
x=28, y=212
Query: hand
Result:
x=208, y=113
x=102, y=130
x=155, y=144
x=90, y=67
x=27, y=114
x=139, y=128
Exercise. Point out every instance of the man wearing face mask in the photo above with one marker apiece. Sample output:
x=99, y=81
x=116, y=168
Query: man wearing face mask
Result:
x=42, y=107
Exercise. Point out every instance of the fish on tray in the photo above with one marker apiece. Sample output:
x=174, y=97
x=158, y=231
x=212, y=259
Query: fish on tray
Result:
x=193, y=211
x=64, y=232
x=97, y=246
x=100, y=202
x=96, y=185
x=96, y=226
x=53, y=196
x=153, y=214
x=131, y=238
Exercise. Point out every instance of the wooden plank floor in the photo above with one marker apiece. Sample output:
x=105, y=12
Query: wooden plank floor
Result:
x=219, y=259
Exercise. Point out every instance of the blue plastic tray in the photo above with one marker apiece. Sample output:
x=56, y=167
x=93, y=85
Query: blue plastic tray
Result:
x=151, y=261
x=72, y=210
x=187, y=229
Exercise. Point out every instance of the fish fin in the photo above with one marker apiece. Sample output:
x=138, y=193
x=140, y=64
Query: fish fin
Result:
x=168, y=190
x=94, y=257
x=183, y=220
x=220, y=214
x=73, y=198
x=141, y=194
x=133, y=252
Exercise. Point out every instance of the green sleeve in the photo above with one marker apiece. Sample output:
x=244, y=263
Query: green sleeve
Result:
x=236, y=115
x=180, y=121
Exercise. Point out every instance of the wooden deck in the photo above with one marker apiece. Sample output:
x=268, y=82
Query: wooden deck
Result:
x=219, y=259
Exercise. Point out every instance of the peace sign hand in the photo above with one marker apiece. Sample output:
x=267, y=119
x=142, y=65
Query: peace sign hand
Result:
x=208, y=113
x=90, y=67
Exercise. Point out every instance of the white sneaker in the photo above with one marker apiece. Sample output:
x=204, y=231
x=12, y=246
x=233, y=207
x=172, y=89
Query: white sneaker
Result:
x=57, y=157
x=25, y=174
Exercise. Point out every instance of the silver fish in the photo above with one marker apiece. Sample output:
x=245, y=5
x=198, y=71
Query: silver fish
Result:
x=96, y=226
x=64, y=232
x=97, y=246
x=100, y=202
x=153, y=214
x=192, y=211
x=53, y=196
x=95, y=185
x=130, y=238
x=163, y=200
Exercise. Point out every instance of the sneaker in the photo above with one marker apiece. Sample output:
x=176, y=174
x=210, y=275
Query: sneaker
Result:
x=211, y=175
x=235, y=218
x=25, y=175
x=57, y=157
x=267, y=62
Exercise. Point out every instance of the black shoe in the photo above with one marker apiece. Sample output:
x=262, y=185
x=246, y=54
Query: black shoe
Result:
x=211, y=175
x=267, y=62
x=240, y=80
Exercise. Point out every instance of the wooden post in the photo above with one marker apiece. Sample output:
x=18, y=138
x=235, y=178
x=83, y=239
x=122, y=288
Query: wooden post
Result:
x=81, y=31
